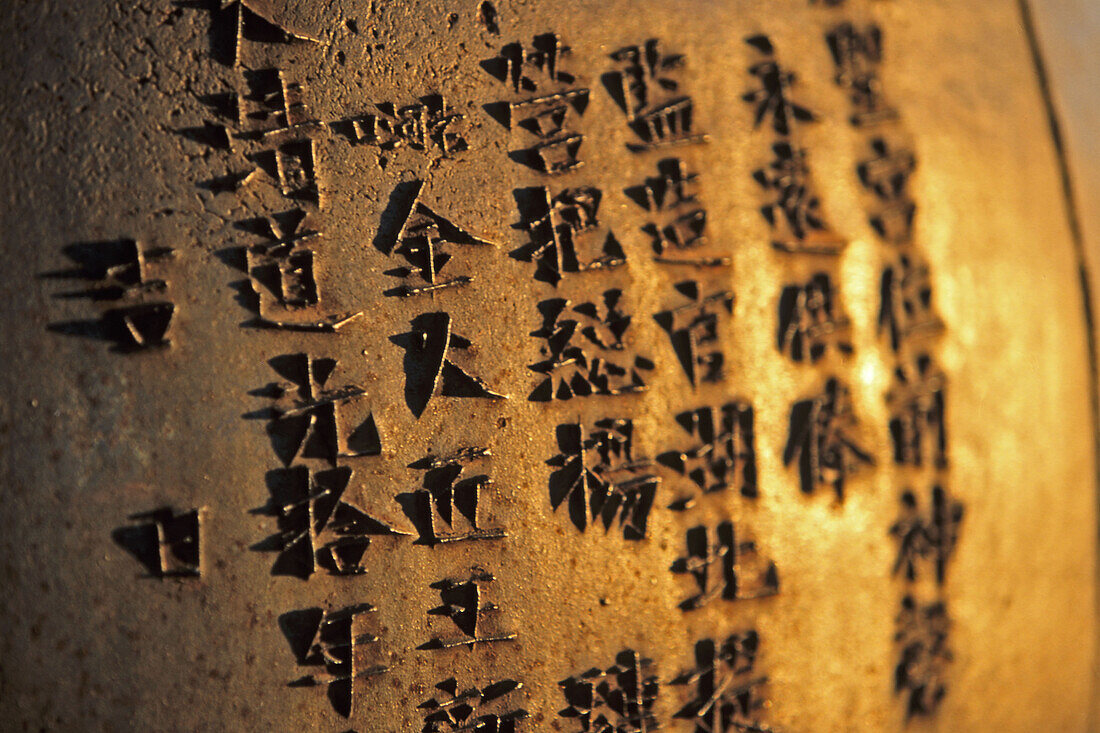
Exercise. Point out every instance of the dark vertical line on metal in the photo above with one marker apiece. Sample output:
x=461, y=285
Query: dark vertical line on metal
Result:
x=1072, y=214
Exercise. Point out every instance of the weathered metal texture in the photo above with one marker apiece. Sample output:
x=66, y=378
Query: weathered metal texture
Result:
x=290, y=201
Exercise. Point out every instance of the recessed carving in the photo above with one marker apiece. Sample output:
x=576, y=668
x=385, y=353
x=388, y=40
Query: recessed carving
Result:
x=272, y=106
x=793, y=210
x=565, y=233
x=599, y=479
x=811, y=321
x=167, y=543
x=722, y=455
x=429, y=370
x=463, y=603
x=678, y=222
x=771, y=100
x=906, y=313
x=445, y=509
x=525, y=67
x=822, y=439
x=857, y=55
x=282, y=274
x=546, y=118
x=317, y=528
x=305, y=416
x=693, y=331
x=725, y=565
x=291, y=166
x=918, y=429
x=572, y=337
x=886, y=173
x=924, y=655
x=618, y=699
x=338, y=645
x=452, y=710
x=728, y=690
x=120, y=273
x=422, y=238
x=926, y=536
x=647, y=89
x=428, y=126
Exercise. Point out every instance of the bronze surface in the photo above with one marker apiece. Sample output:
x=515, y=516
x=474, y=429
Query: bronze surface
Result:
x=118, y=144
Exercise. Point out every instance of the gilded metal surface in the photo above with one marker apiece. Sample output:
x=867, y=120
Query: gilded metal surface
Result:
x=275, y=461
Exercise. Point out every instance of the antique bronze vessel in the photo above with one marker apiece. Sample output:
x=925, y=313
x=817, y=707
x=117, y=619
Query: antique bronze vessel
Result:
x=549, y=366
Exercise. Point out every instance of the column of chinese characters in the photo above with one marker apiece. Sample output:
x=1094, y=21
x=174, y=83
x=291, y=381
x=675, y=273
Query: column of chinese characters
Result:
x=433, y=252
x=266, y=139
x=713, y=462
x=726, y=685
x=270, y=140
x=582, y=339
x=544, y=107
x=646, y=85
x=812, y=326
x=445, y=510
x=926, y=530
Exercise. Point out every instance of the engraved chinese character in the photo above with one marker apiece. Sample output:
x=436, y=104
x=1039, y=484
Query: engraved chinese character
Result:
x=282, y=275
x=924, y=536
x=794, y=211
x=276, y=129
x=918, y=430
x=646, y=89
x=722, y=455
x=728, y=691
x=121, y=271
x=283, y=263
x=905, y=309
x=423, y=239
x=771, y=100
x=524, y=68
x=430, y=350
x=468, y=710
x=445, y=509
x=599, y=478
x=673, y=187
x=547, y=116
x=811, y=320
x=724, y=566
x=822, y=439
x=427, y=125
x=886, y=174
x=921, y=671
x=235, y=22
x=317, y=528
x=693, y=331
x=272, y=105
x=619, y=699
x=337, y=644
x=463, y=603
x=678, y=223
x=291, y=166
x=144, y=326
x=857, y=54
x=306, y=417
x=561, y=228
x=569, y=367
x=167, y=543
